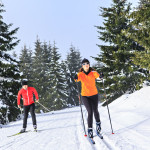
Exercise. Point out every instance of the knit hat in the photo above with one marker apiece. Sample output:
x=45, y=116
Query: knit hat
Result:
x=85, y=61
x=24, y=82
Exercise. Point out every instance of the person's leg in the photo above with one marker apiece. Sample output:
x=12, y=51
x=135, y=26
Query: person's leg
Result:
x=94, y=103
x=87, y=104
x=32, y=111
x=94, y=100
x=26, y=111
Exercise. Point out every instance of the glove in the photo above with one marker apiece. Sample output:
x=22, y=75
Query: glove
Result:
x=101, y=75
x=76, y=77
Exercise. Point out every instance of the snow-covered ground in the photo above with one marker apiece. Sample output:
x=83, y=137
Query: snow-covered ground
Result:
x=63, y=130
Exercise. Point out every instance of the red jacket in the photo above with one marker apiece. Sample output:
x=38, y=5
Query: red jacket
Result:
x=27, y=95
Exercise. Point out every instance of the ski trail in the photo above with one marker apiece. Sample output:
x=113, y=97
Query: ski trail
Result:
x=58, y=131
x=125, y=136
x=101, y=143
x=84, y=143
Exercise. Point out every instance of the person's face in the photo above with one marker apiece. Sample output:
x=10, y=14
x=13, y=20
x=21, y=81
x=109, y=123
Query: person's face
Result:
x=25, y=87
x=86, y=66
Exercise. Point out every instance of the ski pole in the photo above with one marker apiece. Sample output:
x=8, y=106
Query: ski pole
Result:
x=21, y=113
x=44, y=106
x=81, y=109
x=21, y=110
x=107, y=107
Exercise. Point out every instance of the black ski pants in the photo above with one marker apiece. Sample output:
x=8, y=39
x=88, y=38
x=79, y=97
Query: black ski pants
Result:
x=28, y=108
x=91, y=104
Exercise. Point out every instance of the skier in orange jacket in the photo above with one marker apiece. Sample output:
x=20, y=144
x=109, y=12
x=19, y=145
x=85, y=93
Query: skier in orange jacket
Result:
x=89, y=94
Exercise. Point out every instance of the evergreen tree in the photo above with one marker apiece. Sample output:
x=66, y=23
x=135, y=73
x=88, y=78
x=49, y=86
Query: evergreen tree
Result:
x=57, y=98
x=45, y=80
x=38, y=74
x=120, y=73
x=140, y=20
x=9, y=71
x=73, y=64
x=14, y=54
x=26, y=63
x=65, y=71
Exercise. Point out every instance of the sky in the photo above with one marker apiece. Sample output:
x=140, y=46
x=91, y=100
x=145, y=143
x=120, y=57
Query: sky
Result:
x=67, y=22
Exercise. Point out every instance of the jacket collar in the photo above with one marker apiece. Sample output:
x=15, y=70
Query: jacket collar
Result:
x=86, y=72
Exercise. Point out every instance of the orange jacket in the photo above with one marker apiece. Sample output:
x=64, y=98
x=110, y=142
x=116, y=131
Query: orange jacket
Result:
x=27, y=96
x=88, y=83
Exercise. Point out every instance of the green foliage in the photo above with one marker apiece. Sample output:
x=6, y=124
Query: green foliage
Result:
x=25, y=65
x=140, y=21
x=9, y=72
x=57, y=81
x=73, y=63
x=120, y=73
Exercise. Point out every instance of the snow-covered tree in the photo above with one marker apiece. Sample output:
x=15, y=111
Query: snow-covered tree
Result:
x=58, y=93
x=73, y=63
x=120, y=73
x=25, y=65
x=9, y=71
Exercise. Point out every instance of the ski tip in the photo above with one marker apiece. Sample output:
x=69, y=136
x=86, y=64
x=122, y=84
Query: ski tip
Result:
x=113, y=133
x=85, y=135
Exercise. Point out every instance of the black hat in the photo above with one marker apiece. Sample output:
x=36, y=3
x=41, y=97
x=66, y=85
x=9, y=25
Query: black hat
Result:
x=24, y=82
x=85, y=61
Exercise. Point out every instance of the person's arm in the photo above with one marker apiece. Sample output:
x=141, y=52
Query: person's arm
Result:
x=98, y=76
x=18, y=98
x=36, y=94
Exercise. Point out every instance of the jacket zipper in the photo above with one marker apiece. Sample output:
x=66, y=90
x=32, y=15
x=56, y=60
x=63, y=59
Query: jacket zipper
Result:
x=28, y=96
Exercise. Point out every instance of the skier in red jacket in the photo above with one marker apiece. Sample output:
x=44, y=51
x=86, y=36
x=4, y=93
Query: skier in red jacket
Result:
x=27, y=94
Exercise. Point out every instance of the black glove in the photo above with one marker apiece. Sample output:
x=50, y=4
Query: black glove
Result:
x=76, y=77
x=101, y=75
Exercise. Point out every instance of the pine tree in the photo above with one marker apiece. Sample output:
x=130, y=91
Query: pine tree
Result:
x=26, y=63
x=45, y=67
x=73, y=64
x=140, y=20
x=57, y=99
x=120, y=73
x=9, y=71
x=38, y=74
x=14, y=54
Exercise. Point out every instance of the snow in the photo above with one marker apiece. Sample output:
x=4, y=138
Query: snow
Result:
x=63, y=130
x=1, y=104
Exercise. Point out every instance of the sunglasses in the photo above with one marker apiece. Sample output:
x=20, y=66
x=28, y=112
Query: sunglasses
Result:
x=85, y=64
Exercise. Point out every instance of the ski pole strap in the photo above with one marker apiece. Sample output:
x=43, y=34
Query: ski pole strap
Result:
x=44, y=107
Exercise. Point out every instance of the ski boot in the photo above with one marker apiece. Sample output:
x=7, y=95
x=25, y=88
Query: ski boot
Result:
x=35, y=128
x=98, y=127
x=90, y=133
x=23, y=130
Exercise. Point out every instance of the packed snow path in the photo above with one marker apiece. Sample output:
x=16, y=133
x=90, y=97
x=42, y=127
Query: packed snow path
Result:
x=63, y=130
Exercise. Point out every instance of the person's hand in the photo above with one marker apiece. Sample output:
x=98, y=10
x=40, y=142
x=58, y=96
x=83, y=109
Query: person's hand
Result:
x=19, y=106
x=37, y=100
x=76, y=77
x=101, y=75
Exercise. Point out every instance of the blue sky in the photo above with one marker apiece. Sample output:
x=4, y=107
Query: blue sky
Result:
x=64, y=21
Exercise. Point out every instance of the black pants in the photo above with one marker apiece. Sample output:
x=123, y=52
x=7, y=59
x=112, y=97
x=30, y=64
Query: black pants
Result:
x=28, y=108
x=91, y=104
